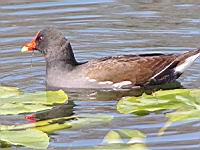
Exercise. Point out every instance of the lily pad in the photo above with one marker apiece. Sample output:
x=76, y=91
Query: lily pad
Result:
x=34, y=135
x=31, y=138
x=9, y=91
x=7, y=133
x=44, y=97
x=18, y=108
x=161, y=100
x=30, y=102
x=184, y=102
x=182, y=115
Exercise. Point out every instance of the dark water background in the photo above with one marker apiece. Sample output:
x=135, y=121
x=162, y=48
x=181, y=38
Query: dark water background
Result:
x=98, y=28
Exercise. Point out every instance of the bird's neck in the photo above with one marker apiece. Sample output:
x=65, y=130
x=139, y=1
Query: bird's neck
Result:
x=64, y=58
x=68, y=55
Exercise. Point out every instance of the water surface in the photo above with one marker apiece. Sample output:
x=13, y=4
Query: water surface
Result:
x=96, y=29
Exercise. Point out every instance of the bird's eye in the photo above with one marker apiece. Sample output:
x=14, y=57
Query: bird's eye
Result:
x=41, y=38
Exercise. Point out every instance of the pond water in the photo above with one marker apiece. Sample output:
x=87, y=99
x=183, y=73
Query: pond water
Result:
x=98, y=28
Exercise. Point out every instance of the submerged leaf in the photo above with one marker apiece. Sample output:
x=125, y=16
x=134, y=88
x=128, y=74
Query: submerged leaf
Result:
x=31, y=138
x=90, y=120
x=135, y=136
x=117, y=136
x=116, y=140
x=52, y=125
x=112, y=137
x=47, y=126
x=39, y=124
x=116, y=146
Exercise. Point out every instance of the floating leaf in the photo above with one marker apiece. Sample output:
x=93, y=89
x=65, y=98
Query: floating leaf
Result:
x=185, y=102
x=17, y=108
x=8, y=91
x=31, y=138
x=170, y=93
x=31, y=102
x=45, y=98
x=160, y=100
x=49, y=126
x=39, y=124
x=33, y=135
x=181, y=115
x=53, y=125
x=145, y=104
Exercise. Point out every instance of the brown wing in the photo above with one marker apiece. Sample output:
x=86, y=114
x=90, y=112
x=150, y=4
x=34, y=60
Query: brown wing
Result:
x=138, y=69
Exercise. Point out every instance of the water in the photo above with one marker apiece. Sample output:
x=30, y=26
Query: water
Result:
x=96, y=29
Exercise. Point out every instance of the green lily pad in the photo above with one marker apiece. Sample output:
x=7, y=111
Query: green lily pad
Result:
x=9, y=91
x=47, y=126
x=18, y=108
x=182, y=115
x=34, y=135
x=184, y=102
x=160, y=100
x=31, y=102
x=45, y=98
x=31, y=138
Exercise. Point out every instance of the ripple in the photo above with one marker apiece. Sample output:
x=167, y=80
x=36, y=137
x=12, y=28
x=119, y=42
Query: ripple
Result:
x=97, y=29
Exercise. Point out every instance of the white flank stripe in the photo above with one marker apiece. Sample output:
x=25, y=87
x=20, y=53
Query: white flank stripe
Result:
x=92, y=80
x=120, y=84
x=106, y=82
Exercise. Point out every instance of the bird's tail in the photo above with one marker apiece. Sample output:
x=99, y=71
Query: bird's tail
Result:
x=176, y=68
x=186, y=60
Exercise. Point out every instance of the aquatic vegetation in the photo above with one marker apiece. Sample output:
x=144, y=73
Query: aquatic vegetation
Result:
x=31, y=138
x=182, y=104
x=12, y=101
x=185, y=104
x=9, y=91
x=125, y=139
x=35, y=135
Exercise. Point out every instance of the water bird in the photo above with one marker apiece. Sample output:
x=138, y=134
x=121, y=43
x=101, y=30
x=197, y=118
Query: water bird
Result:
x=125, y=71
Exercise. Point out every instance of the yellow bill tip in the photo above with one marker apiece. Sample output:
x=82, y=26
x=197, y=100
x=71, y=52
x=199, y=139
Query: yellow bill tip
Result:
x=24, y=49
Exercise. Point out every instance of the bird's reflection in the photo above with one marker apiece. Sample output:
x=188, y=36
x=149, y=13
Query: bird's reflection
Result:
x=116, y=94
x=65, y=110
x=57, y=111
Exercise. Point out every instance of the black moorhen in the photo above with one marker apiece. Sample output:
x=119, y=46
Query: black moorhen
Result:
x=64, y=71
